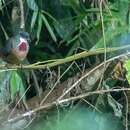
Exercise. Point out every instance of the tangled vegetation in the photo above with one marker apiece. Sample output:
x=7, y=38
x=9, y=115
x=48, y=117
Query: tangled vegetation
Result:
x=77, y=67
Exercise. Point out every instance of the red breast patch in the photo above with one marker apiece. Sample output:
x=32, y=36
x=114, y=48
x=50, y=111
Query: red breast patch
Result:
x=23, y=46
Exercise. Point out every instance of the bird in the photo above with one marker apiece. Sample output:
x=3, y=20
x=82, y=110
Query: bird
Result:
x=16, y=48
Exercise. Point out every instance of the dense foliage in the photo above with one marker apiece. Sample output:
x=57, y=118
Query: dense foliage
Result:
x=63, y=28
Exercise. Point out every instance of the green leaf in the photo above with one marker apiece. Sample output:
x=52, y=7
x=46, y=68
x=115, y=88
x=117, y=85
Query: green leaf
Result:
x=75, y=4
x=34, y=17
x=117, y=107
x=32, y=5
x=65, y=29
x=127, y=67
x=49, y=15
x=1, y=3
x=127, y=1
x=39, y=26
x=114, y=38
x=4, y=85
x=49, y=28
x=16, y=85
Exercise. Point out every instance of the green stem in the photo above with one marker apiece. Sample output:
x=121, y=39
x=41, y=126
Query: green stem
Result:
x=67, y=59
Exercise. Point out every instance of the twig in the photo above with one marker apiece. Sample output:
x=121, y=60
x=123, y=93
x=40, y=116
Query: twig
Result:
x=30, y=113
x=103, y=32
x=94, y=107
x=21, y=98
x=22, y=14
x=104, y=39
x=36, y=83
x=127, y=111
x=107, y=8
x=56, y=84
x=88, y=73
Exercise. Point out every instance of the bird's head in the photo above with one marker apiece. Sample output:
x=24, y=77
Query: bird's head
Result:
x=24, y=40
x=25, y=35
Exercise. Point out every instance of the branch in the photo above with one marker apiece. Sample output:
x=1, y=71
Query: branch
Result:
x=52, y=63
x=58, y=102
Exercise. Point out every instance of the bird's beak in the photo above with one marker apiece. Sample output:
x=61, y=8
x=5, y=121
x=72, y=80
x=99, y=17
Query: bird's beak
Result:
x=28, y=39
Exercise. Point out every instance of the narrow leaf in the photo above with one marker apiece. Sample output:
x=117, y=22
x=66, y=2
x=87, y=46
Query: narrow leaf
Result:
x=33, y=21
x=32, y=5
x=16, y=85
x=39, y=26
x=49, y=28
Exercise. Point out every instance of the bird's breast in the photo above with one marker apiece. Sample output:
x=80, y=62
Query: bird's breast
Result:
x=20, y=55
x=15, y=57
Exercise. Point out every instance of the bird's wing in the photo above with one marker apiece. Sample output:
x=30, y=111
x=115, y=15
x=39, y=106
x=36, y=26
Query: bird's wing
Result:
x=12, y=43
